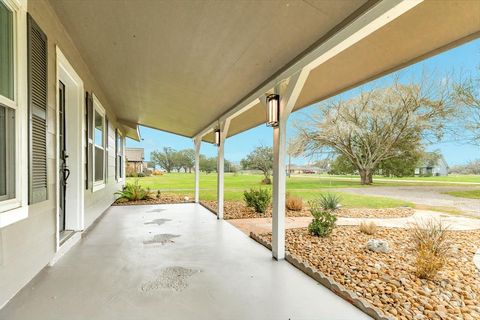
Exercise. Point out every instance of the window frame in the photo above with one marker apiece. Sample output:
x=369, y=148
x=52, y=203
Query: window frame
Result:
x=98, y=108
x=16, y=208
x=120, y=165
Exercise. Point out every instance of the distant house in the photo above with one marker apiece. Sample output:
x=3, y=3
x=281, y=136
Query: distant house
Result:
x=303, y=169
x=135, y=160
x=432, y=166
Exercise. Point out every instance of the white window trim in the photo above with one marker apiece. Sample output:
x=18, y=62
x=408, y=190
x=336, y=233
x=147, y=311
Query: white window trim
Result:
x=122, y=140
x=97, y=106
x=16, y=209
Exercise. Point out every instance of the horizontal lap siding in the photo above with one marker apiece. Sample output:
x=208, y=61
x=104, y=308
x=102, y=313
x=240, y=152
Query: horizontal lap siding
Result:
x=29, y=245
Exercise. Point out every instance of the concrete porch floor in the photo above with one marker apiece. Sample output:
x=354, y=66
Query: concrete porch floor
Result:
x=205, y=269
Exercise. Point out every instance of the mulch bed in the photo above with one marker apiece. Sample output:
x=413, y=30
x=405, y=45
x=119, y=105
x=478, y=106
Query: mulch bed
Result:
x=400, y=212
x=387, y=280
x=164, y=199
x=238, y=210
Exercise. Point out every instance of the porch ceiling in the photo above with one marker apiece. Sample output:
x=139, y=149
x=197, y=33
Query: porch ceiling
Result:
x=179, y=65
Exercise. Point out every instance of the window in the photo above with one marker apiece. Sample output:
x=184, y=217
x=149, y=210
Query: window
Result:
x=7, y=152
x=13, y=112
x=7, y=110
x=99, y=142
x=119, y=162
x=6, y=52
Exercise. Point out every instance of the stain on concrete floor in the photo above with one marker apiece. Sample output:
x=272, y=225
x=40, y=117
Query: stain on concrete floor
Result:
x=156, y=210
x=162, y=238
x=173, y=278
x=158, y=221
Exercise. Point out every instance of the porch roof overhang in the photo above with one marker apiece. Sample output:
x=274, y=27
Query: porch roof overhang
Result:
x=181, y=66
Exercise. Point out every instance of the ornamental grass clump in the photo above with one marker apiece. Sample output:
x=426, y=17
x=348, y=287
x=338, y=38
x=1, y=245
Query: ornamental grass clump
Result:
x=431, y=248
x=258, y=199
x=293, y=203
x=329, y=201
x=133, y=192
x=369, y=228
x=323, y=221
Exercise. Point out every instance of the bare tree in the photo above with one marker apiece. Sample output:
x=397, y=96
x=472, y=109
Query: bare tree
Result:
x=467, y=94
x=378, y=124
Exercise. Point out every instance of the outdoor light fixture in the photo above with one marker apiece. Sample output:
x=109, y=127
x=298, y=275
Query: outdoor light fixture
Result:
x=273, y=108
x=217, y=137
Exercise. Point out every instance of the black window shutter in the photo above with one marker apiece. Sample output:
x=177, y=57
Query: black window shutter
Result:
x=107, y=132
x=37, y=105
x=90, y=129
x=116, y=155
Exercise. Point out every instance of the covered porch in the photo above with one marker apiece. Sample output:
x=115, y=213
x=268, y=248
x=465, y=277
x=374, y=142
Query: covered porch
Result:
x=172, y=262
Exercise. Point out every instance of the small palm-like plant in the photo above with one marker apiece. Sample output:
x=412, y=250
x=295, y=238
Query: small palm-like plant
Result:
x=133, y=192
x=329, y=201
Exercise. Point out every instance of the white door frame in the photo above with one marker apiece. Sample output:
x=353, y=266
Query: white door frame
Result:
x=74, y=219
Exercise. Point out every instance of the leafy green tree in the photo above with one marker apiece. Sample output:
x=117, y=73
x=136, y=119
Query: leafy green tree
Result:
x=165, y=158
x=260, y=159
x=208, y=164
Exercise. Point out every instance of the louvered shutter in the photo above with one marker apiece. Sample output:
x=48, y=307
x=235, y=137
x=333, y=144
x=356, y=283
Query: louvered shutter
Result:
x=90, y=129
x=37, y=102
x=107, y=146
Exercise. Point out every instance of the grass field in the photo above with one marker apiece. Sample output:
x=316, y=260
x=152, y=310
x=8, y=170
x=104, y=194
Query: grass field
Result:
x=386, y=180
x=305, y=187
x=471, y=194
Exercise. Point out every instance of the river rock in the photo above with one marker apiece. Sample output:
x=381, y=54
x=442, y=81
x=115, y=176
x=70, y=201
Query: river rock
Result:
x=378, y=245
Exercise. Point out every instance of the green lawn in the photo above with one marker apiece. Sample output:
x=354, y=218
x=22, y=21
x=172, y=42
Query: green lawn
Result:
x=446, y=179
x=471, y=194
x=306, y=187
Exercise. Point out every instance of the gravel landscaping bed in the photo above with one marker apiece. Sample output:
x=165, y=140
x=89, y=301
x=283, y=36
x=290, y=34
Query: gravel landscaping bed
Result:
x=387, y=280
x=238, y=210
x=400, y=212
x=164, y=199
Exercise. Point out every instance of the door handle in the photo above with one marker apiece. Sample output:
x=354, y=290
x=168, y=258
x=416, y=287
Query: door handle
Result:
x=67, y=171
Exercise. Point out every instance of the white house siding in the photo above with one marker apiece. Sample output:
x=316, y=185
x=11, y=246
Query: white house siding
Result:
x=29, y=245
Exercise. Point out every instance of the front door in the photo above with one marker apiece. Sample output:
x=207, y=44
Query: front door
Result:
x=64, y=171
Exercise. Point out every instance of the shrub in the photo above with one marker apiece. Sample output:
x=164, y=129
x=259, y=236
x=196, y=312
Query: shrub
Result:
x=294, y=203
x=259, y=199
x=431, y=248
x=323, y=220
x=140, y=174
x=329, y=201
x=159, y=194
x=266, y=181
x=133, y=192
x=368, y=227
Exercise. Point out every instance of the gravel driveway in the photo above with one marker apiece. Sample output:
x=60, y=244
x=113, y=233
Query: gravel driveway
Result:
x=424, y=195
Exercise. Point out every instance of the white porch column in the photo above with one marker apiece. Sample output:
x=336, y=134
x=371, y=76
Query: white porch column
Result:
x=197, y=142
x=288, y=97
x=221, y=168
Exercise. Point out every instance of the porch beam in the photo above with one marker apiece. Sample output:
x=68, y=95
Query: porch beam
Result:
x=289, y=93
x=224, y=125
x=197, y=142
x=373, y=19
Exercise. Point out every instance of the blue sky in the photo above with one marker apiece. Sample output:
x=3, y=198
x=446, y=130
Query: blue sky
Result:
x=462, y=59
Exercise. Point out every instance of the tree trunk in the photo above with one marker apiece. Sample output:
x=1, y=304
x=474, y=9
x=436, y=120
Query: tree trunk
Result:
x=366, y=176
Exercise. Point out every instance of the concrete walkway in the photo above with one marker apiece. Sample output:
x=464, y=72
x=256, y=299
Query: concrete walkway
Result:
x=261, y=225
x=424, y=195
x=172, y=262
